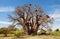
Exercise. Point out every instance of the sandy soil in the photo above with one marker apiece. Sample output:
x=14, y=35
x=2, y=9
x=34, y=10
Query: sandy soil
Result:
x=33, y=37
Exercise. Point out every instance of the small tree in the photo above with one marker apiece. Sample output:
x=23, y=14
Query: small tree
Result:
x=6, y=31
x=30, y=18
x=57, y=30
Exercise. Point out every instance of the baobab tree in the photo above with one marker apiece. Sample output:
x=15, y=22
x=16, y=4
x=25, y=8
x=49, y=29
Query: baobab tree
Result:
x=30, y=17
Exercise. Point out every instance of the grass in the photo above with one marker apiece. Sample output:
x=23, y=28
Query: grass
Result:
x=33, y=37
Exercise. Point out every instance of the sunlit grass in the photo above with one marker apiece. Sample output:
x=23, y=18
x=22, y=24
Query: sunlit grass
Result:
x=33, y=37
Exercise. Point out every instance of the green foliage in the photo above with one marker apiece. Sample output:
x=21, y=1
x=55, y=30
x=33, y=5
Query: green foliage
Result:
x=56, y=32
x=17, y=31
x=4, y=31
x=42, y=32
x=11, y=33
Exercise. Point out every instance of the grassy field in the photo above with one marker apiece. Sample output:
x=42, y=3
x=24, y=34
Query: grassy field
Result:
x=33, y=37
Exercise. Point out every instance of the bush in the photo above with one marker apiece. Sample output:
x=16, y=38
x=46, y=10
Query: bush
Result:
x=57, y=30
x=18, y=32
x=4, y=31
x=56, y=33
x=42, y=32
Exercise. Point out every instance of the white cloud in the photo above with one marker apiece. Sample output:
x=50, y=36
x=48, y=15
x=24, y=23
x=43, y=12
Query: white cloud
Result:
x=58, y=19
x=55, y=14
x=6, y=9
x=3, y=22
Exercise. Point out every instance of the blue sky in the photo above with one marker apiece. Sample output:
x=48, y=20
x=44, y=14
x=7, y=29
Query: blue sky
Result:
x=50, y=7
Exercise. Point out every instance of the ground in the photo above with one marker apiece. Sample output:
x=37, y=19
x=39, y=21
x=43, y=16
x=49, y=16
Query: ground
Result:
x=33, y=37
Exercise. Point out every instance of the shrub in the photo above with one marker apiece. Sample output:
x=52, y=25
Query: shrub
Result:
x=3, y=31
x=42, y=32
x=56, y=33
x=57, y=30
x=18, y=32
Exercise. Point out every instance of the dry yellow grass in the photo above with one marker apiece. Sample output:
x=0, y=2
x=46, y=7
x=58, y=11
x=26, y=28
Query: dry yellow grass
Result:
x=43, y=37
x=33, y=37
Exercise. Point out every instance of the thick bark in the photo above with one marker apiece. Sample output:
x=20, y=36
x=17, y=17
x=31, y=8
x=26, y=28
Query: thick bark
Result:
x=31, y=31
